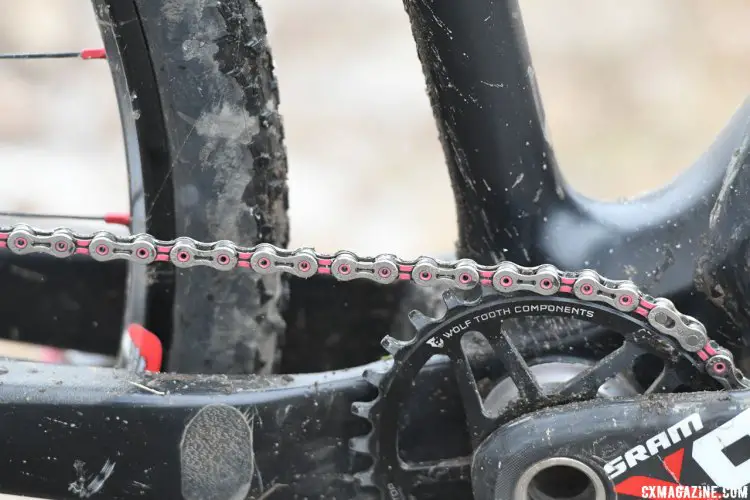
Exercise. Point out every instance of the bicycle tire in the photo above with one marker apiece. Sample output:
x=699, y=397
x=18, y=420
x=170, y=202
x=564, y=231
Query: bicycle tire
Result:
x=213, y=165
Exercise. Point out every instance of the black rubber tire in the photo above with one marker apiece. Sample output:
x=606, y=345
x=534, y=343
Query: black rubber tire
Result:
x=214, y=167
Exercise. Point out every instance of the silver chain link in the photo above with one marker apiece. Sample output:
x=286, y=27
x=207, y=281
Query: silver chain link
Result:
x=464, y=274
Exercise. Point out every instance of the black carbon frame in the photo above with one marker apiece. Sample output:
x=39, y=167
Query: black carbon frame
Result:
x=54, y=417
x=59, y=420
x=688, y=241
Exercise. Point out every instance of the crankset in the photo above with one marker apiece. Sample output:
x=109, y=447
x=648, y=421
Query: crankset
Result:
x=584, y=350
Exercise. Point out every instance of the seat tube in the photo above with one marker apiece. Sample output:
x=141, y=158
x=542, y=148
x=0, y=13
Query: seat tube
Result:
x=484, y=95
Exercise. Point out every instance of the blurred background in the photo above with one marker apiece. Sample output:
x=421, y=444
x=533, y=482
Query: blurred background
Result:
x=634, y=92
x=630, y=88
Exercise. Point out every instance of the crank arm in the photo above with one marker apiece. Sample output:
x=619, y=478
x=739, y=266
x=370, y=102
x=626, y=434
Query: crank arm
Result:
x=624, y=447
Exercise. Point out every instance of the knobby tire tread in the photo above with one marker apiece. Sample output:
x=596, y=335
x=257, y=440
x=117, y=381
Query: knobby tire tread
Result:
x=219, y=96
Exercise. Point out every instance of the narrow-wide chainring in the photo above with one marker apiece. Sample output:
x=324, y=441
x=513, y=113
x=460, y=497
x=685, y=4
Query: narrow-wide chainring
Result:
x=397, y=479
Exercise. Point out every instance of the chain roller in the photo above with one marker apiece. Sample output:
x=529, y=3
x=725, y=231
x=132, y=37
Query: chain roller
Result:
x=505, y=277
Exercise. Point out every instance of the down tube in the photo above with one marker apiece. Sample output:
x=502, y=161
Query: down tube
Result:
x=489, y=114
x=74, y=432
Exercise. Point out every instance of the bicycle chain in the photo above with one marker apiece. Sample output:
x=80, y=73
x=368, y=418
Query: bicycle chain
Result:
x=464, y=274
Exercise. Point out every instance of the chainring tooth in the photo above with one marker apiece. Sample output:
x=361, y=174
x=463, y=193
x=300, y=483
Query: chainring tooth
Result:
x=365, y=478
x=393, y=345
x=361, y=409
x=360, y=444
x=419, y=320
x=373, y=377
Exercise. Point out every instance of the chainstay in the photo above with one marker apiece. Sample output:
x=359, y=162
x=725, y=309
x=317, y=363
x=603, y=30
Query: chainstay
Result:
x=464, y=274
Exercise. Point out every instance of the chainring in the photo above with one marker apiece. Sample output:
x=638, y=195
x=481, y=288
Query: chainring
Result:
x=397, y=479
